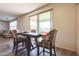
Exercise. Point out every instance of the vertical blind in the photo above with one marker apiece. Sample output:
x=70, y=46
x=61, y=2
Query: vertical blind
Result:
x=44, y=22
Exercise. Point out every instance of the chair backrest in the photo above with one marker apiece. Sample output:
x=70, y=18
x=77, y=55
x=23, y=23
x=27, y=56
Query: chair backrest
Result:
x=33, y=30
x=14, y=33
x=52, y=36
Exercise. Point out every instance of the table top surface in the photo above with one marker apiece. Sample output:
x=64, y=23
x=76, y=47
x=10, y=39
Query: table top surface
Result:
x=31, y=34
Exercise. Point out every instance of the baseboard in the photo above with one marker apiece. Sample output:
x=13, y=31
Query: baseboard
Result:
x=66, y=48
x=78, y=53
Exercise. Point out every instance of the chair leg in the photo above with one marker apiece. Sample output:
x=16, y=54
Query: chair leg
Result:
x=27, y=47
x=50, y=51
x=13, y=47
x=28, y=51
x=54, y=52
x=43, y=51
x=16, y=49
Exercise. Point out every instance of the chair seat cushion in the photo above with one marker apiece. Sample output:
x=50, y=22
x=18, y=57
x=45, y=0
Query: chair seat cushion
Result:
x=45, y=43
x=21, y=39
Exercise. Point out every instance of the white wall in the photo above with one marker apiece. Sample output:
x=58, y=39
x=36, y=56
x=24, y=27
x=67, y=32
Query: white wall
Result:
x=64, y=19
x=78, y=29
x=65, y=22
x=4, y=25
x=23, y=24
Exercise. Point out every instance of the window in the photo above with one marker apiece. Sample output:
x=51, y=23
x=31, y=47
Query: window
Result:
x=13, y=25
x=33, y=23
x=41, y=22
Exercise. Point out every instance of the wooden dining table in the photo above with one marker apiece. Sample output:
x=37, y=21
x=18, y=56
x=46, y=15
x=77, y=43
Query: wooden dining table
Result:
x=29, y=36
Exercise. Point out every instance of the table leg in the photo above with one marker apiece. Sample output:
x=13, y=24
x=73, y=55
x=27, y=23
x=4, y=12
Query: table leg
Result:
x=28, y=46
x=50, y=49
x=38, y=51
x=37, y=46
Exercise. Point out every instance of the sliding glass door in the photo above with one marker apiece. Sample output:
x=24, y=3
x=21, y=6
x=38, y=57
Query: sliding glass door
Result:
x=44, y=22
x=41, y=22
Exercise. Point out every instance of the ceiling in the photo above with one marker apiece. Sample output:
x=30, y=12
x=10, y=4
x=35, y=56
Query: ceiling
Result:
x=9, y=11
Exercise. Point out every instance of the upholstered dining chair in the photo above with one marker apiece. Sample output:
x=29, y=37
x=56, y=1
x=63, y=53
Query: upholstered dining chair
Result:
x=48, y=42
x=18, y=40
